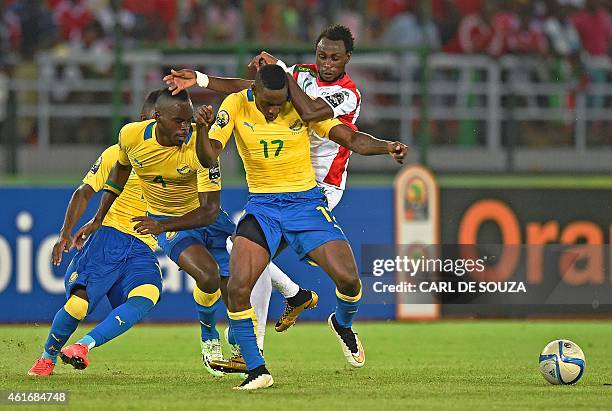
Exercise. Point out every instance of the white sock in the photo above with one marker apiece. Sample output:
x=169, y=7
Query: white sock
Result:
x=260, y=301
x=282, y=282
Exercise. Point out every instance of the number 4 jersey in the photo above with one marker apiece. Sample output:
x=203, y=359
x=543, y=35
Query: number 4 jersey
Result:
x=329, y=159
x=170, y=176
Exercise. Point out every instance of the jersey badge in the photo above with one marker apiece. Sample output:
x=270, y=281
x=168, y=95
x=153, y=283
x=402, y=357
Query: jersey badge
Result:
x=223, y=118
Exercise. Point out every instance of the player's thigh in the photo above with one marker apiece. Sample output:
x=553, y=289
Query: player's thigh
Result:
x=188, y=250
x=336, y=259
x=141, y=274
x=96, y=267
x=310, y=224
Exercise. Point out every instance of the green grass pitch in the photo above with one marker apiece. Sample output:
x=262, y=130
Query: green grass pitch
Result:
x=476, y=365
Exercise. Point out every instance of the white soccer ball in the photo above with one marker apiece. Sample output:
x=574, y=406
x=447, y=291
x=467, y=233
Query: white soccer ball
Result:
x=562, y=362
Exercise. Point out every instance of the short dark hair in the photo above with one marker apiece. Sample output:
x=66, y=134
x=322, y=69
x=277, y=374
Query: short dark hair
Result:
x=149, y=103
x=337, y=32
x=272, y=77
x=165, y=97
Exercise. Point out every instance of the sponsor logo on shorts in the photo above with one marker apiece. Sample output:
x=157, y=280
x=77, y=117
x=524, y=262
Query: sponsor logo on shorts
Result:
x=73, y=277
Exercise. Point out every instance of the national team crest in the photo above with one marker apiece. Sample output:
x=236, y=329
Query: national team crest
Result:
x=296, y=126
x=223, y=118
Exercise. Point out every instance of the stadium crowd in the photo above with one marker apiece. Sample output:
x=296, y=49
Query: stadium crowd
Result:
x=496, y=27
x=569, y=31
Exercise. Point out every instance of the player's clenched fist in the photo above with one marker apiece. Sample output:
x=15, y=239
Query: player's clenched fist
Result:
x=398, y=151
x=262, y=59
x=203, y=116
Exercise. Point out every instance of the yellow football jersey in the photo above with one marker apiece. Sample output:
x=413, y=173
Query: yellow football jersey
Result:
x=170, y=176
x=128, y=205
x=276, y=154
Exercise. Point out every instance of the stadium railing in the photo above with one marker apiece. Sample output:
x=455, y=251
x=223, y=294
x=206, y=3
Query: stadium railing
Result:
x=486, y=112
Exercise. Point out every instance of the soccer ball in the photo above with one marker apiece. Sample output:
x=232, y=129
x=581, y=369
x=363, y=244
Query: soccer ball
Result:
x=562, y=362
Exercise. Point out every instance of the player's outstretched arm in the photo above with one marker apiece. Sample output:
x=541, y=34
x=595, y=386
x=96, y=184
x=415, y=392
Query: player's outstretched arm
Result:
x=202, y=216
x=113, y=187
x=76, y=207
x=367, y=145
x=207, y=150
x=179, y=80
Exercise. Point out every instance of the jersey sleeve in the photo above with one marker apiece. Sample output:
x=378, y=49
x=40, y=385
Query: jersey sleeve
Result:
x=322, y=128
x=209, y=179
x=223, y=126
x=99, y=172
x=123, y=144
x=342, y=102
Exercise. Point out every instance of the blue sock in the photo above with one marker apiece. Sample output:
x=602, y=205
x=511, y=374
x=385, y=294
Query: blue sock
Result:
x=243, y=325
x=120, y=320
x=230, y=336
x=347, y=308
x=61, y=329
x=206, y=306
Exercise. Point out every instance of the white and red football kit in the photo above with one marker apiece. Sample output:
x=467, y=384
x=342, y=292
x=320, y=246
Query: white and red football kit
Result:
x=329, y=159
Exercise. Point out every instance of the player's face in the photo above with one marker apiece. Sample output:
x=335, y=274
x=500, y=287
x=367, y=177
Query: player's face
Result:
x=332, y=57
x=270, y=102
x=174, y=122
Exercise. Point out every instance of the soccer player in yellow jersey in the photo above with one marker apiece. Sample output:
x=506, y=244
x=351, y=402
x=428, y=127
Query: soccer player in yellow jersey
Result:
x=285, y=205
x=180, y=195
x=116, y=262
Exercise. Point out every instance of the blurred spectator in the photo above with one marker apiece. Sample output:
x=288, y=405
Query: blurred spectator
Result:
x=409, y=30
x=37, y=27
x=562, y=35
x=594, y=25
x=349, y=16
x=224, y=22
x=71, y=17
x=476, y=34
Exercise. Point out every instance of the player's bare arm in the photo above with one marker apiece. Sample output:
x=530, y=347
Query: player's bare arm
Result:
x=307, y=108
x=206, y=214
x=117, y=179
x=207, y=150
x=76, y=207
x=367, y=145
x=183, y=79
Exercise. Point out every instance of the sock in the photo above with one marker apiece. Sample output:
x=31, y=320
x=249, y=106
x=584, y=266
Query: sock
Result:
x=206, y=305
x=62, y=328
x=119, y=321
x=300, y=298
x=230, y=336
x=260, y=300
x=282, y=282
x=243, y=326
x=347, y=308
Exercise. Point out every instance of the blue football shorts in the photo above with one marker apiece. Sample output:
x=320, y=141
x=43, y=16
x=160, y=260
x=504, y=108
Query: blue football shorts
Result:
x=213, y=237
x=302, y=219
x=112, y=263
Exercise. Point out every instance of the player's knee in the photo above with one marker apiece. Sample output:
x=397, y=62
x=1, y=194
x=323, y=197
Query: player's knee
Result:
x=76, y=307
x=349, y=285
x=148, y=291
x=237, y=290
